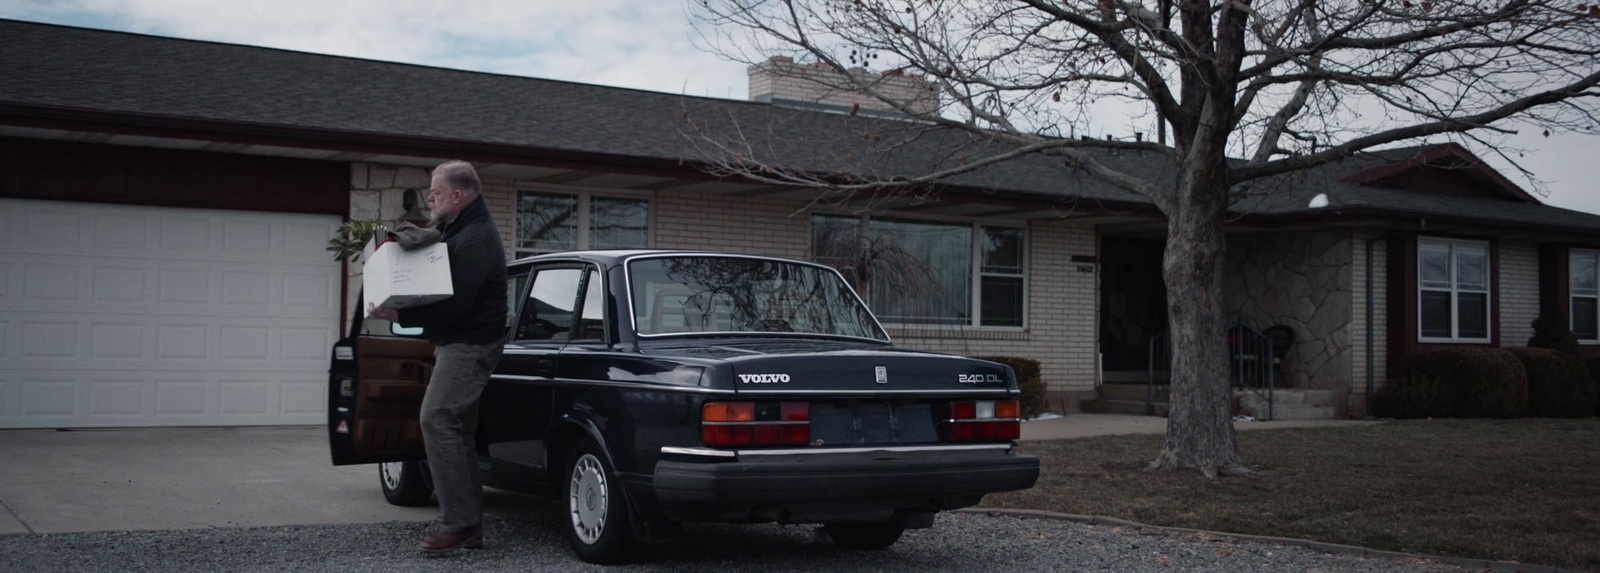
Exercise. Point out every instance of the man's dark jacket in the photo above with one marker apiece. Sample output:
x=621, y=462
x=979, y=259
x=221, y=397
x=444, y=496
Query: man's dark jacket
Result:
x=476, y=313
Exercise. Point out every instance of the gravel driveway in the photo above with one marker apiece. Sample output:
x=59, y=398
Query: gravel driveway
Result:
x=958, y=542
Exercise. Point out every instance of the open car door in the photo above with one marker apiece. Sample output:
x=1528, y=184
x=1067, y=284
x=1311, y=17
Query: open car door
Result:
x=375, y=388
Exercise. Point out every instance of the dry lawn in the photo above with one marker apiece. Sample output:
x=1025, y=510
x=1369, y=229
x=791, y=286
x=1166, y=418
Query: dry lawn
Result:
x=1512, y=490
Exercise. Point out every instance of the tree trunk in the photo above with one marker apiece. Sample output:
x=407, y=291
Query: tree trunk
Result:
x=1200, y=432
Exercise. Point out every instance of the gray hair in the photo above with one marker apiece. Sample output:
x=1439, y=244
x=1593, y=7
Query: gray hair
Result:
x=460, y=175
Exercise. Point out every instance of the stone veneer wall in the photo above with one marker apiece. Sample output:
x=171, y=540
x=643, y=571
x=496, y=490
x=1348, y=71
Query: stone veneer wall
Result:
x=1062, y=301
x=1302, y=280
x=377, y=193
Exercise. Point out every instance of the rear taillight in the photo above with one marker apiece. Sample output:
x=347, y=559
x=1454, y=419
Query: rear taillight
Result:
x=984, y=421
x=730, y=424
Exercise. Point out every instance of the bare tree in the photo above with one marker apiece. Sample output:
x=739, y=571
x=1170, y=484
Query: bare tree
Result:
x=1251, y=90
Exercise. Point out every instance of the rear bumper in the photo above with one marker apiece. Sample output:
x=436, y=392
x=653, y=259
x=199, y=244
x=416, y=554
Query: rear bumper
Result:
x=873, y=486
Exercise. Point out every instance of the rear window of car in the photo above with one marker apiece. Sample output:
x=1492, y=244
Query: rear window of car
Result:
x=719, y=294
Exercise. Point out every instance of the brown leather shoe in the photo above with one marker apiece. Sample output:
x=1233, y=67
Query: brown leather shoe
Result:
x=444, y=541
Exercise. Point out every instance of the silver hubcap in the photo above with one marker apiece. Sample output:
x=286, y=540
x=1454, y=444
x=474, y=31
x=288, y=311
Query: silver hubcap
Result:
x=587, y=499
x=391, y=474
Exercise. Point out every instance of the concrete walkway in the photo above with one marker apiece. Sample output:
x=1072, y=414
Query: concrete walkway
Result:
x=1086, y=425
x=177, y=478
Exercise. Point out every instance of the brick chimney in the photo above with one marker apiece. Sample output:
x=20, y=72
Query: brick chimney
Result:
x=780, y=81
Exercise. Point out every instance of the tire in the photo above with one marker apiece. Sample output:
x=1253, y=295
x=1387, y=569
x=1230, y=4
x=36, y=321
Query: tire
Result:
x=403, y=483
x=597, y=521
x=864, y=536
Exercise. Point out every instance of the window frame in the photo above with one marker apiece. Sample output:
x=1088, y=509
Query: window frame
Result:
x=979, y=232
x=1571, y=308
x=975, y=274
x=1455, y=290
x=585, y=270
x=585, y=216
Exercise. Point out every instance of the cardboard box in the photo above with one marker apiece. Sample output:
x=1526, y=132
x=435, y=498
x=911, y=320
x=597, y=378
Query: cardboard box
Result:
x=393, y=277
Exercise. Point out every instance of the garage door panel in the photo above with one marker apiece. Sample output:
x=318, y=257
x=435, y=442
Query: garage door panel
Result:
x=183, y=397
x=54, y=229
x=185, y=286
x=186, y=233
x=116, y=398
x=120, y=287
x=49, y=339
x=306, y=345
x=176, y=288
x=310, y=292
x=51, y=282
x=183, y=342
x=250, y=237
x=8, y=275
x=246, y=343
x=116, y=315
x=246, y=397
x=121, y=231
x=111, y=341
x=307, y=242
x=49, y=396
x=247, y=288
x=304, y=396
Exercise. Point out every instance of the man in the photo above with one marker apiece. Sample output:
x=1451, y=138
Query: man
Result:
x=469, y=330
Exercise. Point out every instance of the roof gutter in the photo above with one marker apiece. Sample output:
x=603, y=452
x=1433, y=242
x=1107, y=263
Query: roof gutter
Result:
x=1345, y=212
x=67, y=118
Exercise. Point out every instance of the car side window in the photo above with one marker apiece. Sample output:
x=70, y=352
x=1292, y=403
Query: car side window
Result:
x=548, y=312
x=592, y=325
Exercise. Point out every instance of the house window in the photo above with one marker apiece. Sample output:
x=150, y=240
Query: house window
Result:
x=1453, y=290
x=925, y=272
x=550, y=222
x=1584, y=289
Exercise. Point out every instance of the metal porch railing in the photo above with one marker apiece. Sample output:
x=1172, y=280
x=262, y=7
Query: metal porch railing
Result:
x=1250, y=359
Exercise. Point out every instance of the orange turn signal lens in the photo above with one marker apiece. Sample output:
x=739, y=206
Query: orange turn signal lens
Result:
x=1008, y=409
x=728, y=412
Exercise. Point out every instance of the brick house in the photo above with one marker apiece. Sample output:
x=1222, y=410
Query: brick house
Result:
x=163, y=217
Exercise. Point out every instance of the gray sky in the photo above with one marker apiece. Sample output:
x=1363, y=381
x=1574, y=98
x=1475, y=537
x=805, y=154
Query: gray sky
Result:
x=644, y=44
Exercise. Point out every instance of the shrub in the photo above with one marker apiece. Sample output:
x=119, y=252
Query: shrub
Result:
x=1488, y=382
x=1592, y=361
x=1558, y=383
x=1550, y=331
x=1034, y=399
x=1420, y=399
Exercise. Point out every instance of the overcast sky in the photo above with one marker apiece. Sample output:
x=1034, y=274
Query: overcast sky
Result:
x=644, y=44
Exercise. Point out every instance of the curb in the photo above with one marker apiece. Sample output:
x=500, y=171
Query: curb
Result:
x=1502, y=566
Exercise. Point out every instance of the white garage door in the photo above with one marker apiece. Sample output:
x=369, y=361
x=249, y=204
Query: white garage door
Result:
x=115, y=315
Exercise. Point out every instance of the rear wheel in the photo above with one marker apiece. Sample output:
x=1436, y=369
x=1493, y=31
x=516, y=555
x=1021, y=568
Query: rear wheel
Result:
x=403, y=483
x=597, y=523
x=864, y=536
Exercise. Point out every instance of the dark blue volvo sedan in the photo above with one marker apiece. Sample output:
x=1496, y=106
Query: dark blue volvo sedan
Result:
x=645, y=389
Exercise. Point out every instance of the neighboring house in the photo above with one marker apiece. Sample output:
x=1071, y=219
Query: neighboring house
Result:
x=165, y=205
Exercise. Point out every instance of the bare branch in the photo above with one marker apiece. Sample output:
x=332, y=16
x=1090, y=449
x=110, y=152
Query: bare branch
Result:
x=1452, y=125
